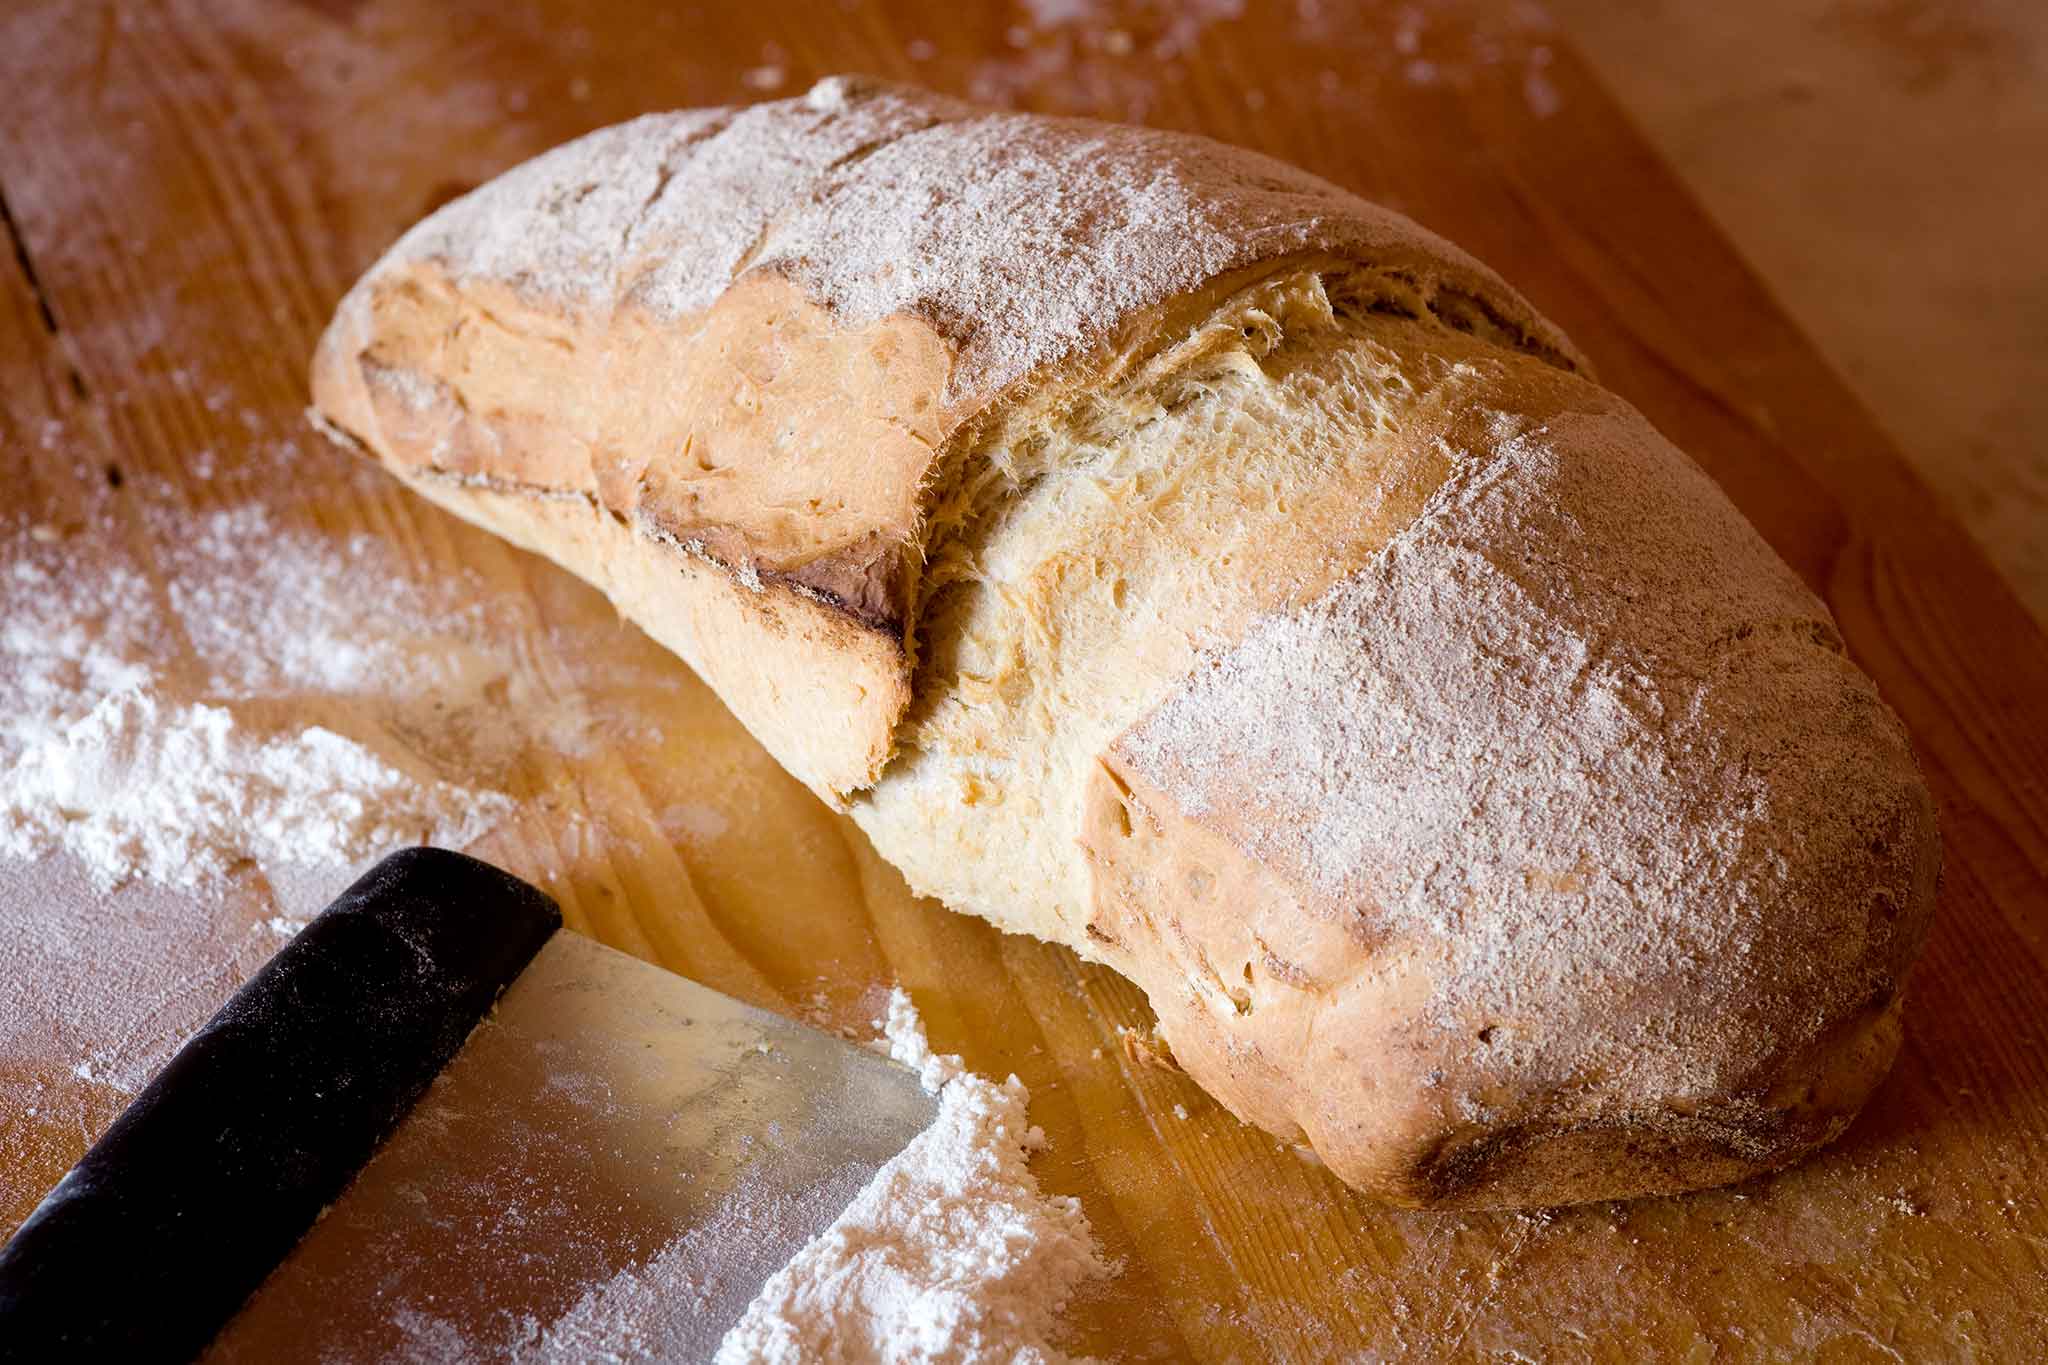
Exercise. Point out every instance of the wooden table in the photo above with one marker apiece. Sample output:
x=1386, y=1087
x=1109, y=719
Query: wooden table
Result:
x=1880, y=141
x=190, y=187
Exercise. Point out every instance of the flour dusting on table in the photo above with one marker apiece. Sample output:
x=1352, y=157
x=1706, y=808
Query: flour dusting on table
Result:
x=279, y=738
x=193, y=760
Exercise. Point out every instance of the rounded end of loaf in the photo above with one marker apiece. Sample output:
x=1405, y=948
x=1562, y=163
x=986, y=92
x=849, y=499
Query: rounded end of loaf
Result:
x=1560, y=854
x=1423, y=1092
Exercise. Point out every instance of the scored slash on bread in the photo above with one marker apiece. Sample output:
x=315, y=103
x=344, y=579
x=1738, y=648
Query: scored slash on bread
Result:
x=1161, y=551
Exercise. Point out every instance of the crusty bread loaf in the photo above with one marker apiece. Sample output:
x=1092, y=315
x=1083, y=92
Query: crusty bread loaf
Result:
x=1163, y=552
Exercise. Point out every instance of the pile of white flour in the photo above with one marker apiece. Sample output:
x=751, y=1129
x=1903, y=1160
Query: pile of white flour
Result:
x=949, y=1254
x=246, y=708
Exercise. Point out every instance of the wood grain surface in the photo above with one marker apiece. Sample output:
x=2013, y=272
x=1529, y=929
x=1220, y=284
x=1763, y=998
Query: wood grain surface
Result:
x=1878, y=168
x=189, y=187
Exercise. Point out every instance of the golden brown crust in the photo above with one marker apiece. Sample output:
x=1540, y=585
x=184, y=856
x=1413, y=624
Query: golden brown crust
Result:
x=767, y=405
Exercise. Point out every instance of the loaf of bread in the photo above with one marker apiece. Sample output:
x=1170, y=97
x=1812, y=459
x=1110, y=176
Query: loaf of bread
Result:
x=1161, y=551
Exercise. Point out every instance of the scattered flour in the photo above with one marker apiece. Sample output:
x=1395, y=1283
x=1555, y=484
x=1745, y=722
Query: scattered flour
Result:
x=269, y=700
x=291, y=709
x=179, y=792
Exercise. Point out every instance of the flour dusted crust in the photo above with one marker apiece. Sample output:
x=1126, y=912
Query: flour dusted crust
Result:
x=1614, y=859
x=1161, y=551
x=761, y=337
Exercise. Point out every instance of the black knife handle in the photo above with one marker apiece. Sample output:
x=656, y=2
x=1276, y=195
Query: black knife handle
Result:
x=205, y=1182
